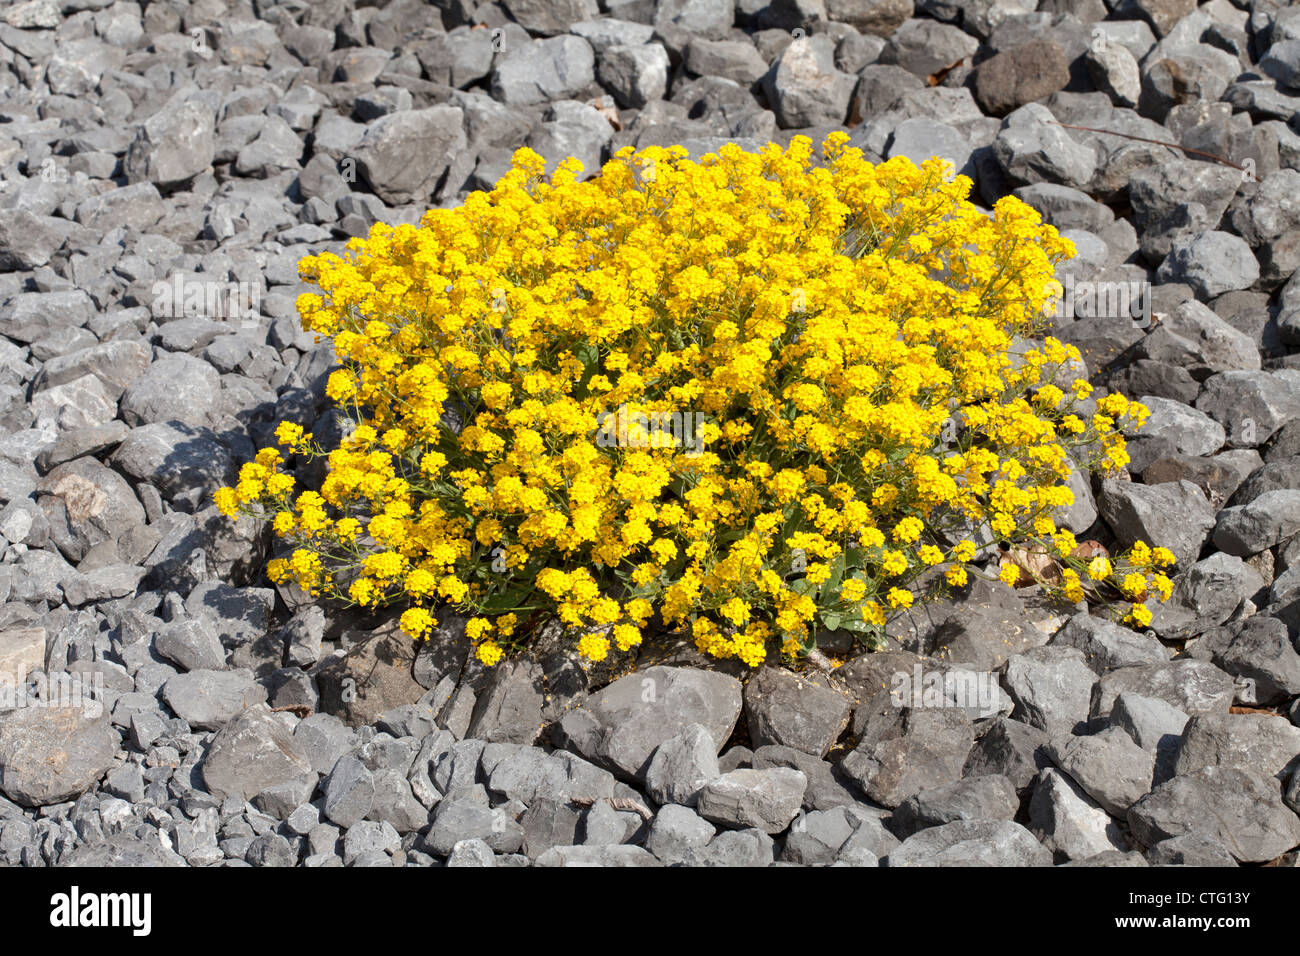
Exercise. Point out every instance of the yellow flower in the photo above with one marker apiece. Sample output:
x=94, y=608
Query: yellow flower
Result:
x=489, y=653
x=1099, y=568
x=687, y=393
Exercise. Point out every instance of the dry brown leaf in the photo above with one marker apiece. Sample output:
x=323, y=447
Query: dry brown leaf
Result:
x=605, y=107
x=1034, y=566
x=935, y=78
x=1087, y=550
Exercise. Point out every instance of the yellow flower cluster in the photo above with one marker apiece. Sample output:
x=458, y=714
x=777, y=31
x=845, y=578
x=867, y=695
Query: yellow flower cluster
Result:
x=752, y=395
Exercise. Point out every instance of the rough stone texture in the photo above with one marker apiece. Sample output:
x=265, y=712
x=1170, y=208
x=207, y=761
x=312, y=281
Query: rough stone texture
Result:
x=972, y=843
x=52, y=754
x=621, y=727
x=765, y=799
x=251, y=753
x=782, y=708
x=1242, y=809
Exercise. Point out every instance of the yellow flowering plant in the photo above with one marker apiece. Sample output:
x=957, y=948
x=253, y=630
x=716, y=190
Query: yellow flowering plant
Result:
x=751, y=395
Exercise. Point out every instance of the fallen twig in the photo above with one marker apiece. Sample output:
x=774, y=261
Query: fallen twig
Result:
x=1156, y=142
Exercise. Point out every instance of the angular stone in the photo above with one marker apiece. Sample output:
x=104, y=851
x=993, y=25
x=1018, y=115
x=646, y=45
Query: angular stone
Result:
x=621, y=727
x=1109, y=766
x=1106, y=645
x=253, y=752
x=208, y=699
x=682, y=766
x=52, y=754
x=926, y=749
x=1068, y=821
x=764, y=799
x=972, y=843
x=1242, y=809
x=782, y=708
x=404, y=155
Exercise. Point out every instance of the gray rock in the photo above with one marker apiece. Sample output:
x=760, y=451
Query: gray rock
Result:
x=828, y=787
x=1114, y=71
x=174, y=144
x=1175, y=516
x=191, y=645
x=473, y=853
x=253, y=752
x=1051, y=687
x=368, y=836
x=1212, y=263
x=1191, y=686
x=394, y=802
x=804, y=86
x=186, y=464
x=1242, y=809
x=553, y=69
x=782, y=708
x=1193, y=336
x=124, y=850
x=1109, y=766
x=208, y=699
x=465, y=814
x=735, y=60
x=1032, y=148
x=925, y=749
x=302, y=635
x=596, y=856
x=1210, y=591
x=1069, y=822
x=87, y=504
x=1177, y=199
x=920, y=139
x=509, y=710
x=682, y=766
x=1248, y=529
x=1009, y=748
x=621, y=727
x=1190, y=849
x=1270, y=745
x=349, y=791
x=750, y=847
x=1260, y=650
x=1154, y=725
x=52, y=754
x=764, y=799
x=174, y=388
x=116, y=363
x=674, y=831
x=923, y=46
x=1106, y=645
x=404, y=155
x=816, y=838
x=972, y=843
x=548, y=823
x=1251, y=406
x=1189, y=431
x=988, y=797
x=636, y=75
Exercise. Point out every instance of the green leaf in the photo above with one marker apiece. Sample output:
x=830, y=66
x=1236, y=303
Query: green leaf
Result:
x=856, y=625
x=508, y=600
x=831, y=619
